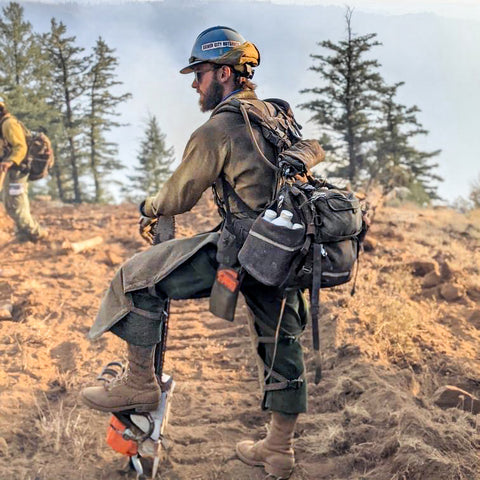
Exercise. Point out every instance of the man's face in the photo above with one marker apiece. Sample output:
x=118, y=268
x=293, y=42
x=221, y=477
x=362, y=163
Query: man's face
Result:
x=206, y=84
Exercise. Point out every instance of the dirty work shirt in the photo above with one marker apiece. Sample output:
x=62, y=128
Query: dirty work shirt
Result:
x=13, y=144
x=13, y=147
x=185, y=268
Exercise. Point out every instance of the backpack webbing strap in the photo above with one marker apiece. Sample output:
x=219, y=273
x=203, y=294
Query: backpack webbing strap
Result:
x=287, y=338
x=145, y=313
x=2, y=121
x=6, y=148
x=315, y=306
x=283, y=383
x=254, y=140
x=229, y=191
x=357, y=266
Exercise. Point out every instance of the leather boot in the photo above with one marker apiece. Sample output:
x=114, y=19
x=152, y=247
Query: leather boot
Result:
x=275, y=452
x=137, y=389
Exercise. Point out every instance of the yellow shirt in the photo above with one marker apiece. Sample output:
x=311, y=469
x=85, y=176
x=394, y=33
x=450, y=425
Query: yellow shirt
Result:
x=14, y=142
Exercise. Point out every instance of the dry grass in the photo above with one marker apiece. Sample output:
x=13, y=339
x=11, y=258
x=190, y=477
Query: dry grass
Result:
x=66, y=431
x=330, y=438
x=394, y=324
x=384, y=309
x=437, y=445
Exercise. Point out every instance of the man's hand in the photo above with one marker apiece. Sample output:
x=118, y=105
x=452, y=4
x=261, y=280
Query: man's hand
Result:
x=4, y=166
x=146, y=228
x=291, y=167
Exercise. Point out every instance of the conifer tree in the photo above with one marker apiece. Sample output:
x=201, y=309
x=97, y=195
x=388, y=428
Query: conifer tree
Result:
x=343, y=104
x=17, y=49
x=21, y=64
x=102, y=105
x=24, y=77
x=395, y=161
x=68, y=70
x=475, y=192
x=154, y=159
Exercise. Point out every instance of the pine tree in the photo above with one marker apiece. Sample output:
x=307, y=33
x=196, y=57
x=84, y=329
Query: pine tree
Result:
x=101, y=109
x=395, y=161
x=475, y=192
x=17, y=48
x=154, y=159
x=68, y=69
x=24, y=76
x=344, y=104
x=20, y=73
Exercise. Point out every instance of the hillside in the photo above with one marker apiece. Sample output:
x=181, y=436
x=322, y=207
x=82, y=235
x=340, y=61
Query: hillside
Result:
x=412, y=327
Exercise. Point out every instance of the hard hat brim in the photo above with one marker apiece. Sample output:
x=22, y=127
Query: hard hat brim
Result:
x=189, y=67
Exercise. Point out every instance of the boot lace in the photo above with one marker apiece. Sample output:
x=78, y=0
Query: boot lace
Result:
x=113, y=374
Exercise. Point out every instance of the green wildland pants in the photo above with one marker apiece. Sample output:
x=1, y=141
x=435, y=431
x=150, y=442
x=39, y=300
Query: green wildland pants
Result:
x=17, y=205
x=286, y=389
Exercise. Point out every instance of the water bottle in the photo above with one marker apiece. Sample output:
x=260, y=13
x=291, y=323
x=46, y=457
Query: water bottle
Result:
x=297, y=226
x=269, y=215
x=284, y=219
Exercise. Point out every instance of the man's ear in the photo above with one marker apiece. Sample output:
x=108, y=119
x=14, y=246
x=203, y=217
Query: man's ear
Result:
x=226, y=73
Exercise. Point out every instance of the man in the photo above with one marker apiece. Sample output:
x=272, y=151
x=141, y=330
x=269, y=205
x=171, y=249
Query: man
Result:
x=13, y=150
x=219, y=152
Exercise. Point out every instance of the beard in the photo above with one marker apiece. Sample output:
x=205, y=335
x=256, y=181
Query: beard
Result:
x=213, y=96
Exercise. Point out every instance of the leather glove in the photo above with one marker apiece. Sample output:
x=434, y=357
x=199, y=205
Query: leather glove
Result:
x=5, y=165
x=291, y=167
x=146, y=228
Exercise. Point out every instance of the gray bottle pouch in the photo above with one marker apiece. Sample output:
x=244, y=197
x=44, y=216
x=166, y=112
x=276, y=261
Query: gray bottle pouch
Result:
x=269, y=250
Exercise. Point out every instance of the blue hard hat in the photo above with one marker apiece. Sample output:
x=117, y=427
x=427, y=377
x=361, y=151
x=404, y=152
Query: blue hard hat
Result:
x=211, y=44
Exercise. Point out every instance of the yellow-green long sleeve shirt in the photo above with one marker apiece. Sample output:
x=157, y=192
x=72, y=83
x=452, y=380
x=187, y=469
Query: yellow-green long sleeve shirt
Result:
x=14, y=141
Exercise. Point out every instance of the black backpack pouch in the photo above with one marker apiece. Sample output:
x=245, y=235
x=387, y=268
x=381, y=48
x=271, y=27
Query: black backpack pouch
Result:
x=337, y=215
x=337, y=263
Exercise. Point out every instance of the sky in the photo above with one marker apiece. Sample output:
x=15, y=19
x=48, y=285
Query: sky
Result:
x=448, y=8
x=466, y=9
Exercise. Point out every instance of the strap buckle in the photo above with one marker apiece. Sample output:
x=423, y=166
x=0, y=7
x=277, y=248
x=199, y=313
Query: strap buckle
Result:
x=288, y=339
x=307, y=270
x=295, y=384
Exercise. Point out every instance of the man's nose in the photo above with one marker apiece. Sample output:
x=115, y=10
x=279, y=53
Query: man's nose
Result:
x=194, y=83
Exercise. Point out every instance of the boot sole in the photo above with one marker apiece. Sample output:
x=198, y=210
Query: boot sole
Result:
x=138, y=407
x=270, y=469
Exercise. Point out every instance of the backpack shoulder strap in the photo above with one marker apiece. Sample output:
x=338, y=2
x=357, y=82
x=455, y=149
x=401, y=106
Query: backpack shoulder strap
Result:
x=25, y=130
x=277, y=124
x=245, y=116
x=2, y=121
x=248, y=109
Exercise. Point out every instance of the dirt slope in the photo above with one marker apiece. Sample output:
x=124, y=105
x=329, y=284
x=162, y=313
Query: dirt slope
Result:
x=385, y=351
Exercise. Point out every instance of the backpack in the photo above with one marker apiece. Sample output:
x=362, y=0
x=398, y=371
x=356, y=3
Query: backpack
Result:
x=39, y=159
x=323, y=251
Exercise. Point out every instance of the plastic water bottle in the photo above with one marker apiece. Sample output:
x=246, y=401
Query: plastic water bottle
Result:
x=284, y=219
x=269, y=215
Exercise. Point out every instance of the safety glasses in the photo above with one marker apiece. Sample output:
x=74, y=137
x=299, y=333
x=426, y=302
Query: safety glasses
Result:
x=199, y=73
